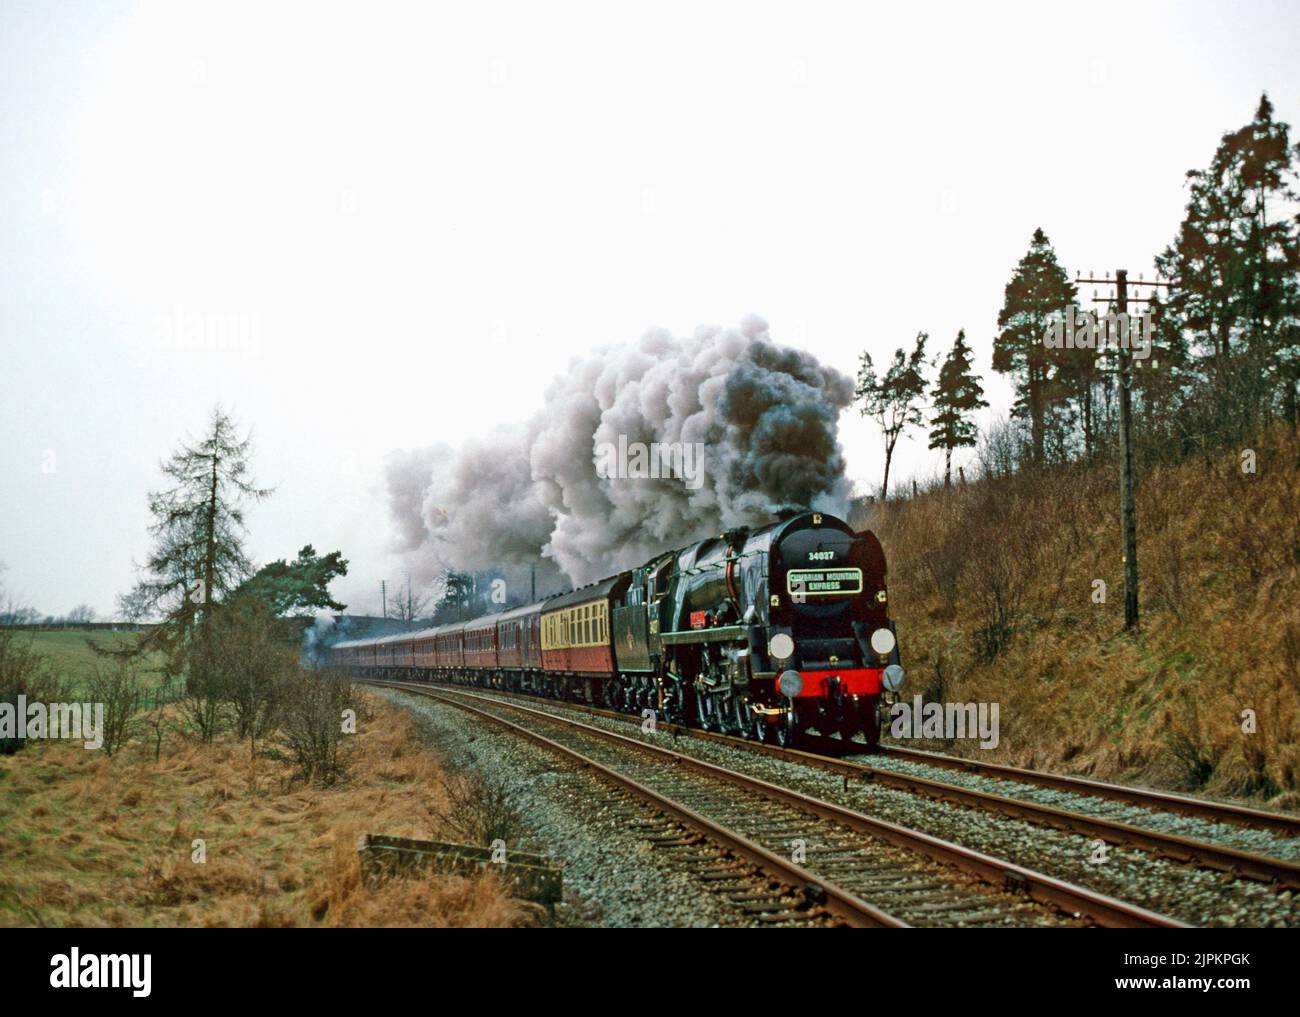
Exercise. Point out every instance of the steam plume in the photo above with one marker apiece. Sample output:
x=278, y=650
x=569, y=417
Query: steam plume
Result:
x=765, y=414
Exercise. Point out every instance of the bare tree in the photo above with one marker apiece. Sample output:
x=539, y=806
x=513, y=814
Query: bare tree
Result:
x=25, y=671
x=409, y=604
x=81, y=614
x=894, y=399
x=480, y=808
x=117, y=686
x=312, y=722
x=252, y=652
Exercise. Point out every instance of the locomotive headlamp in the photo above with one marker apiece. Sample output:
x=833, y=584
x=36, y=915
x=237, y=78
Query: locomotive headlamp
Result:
x=882, y=641
x=791, y=683
x=780, y=646
x=893, y=677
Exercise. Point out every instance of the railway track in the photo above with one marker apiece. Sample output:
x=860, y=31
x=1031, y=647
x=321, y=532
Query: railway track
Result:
x=861, y=870
x=1201, y=808
x=1239, y=863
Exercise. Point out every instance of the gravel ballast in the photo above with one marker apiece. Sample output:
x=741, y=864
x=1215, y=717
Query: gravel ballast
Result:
x=613, y=877
x=1196, y=896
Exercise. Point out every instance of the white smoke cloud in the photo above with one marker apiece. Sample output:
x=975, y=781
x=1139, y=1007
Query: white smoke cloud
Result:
x=765, y=414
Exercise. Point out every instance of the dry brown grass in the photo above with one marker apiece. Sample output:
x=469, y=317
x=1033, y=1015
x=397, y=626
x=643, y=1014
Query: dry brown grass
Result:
x=89, y=840
x=1220, y=558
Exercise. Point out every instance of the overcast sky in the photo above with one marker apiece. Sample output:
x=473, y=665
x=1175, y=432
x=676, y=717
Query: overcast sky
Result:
x=397, y=222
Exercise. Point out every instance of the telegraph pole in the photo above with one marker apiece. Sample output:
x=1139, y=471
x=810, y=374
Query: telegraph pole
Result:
x=1128, y=514
x=383, y=593
x=1127, y=506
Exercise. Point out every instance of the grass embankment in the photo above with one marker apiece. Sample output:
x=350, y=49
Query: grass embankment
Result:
x=993, y=586
x=92, y=840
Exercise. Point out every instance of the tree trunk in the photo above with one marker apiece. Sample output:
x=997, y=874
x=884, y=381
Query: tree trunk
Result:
x=210, y=552
x=1087, y=420
x=1036, y=413
x=947, y=467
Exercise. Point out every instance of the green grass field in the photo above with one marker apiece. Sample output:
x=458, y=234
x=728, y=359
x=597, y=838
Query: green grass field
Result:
x=74, y=660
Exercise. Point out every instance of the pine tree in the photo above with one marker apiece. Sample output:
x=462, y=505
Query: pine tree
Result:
x=1235, y=265
x=299, y=588
x=956, y=395
x=893, y=400
x=1038, y=292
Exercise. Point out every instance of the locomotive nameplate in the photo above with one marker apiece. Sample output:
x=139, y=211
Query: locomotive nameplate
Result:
x=823, y=582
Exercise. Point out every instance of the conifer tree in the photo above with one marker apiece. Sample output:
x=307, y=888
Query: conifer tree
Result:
x=1235, y=265
x=1038, y=292
x=198, y=529
x=957, y=394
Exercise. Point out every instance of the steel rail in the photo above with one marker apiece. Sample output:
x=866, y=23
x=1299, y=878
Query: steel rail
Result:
x=846, y=907
x=1069, y=898
x=1175, y=847
x=1202, y=808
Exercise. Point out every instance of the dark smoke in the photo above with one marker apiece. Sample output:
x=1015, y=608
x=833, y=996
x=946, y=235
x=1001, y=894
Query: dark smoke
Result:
x=766, y=415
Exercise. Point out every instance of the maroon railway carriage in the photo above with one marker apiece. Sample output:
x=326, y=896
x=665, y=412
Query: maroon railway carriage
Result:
x=449, y=646
x=480, y=637
x=519, y=638
x=423, y=648
x=389, y=654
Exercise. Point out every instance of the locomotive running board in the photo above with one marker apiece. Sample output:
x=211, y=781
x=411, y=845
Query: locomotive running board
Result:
x=714, y=635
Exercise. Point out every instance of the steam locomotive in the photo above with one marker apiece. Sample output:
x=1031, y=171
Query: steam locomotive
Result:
x=762, y=633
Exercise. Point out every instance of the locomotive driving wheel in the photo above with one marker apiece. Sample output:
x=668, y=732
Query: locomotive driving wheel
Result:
x=870, y=714
x=786, y=727
x=742, y=716
x=672, y=707
x=704, y=710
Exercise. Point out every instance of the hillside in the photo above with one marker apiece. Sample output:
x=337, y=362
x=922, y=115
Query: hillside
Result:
x=992, y=586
